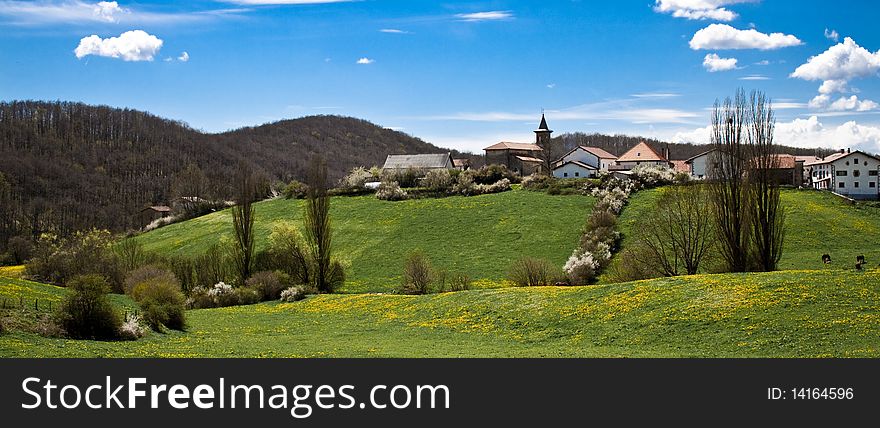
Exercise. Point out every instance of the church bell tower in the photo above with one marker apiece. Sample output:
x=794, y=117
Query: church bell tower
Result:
x=542, y=134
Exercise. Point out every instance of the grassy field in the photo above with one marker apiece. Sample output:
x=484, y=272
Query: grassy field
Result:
x=816, y=223
x=780, y=314
x=478, y=236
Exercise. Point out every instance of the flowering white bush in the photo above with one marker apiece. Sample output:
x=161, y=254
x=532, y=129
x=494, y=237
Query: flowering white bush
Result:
x=132, y=329
x=612, y=198
x=293, y=294
x=653, y=175
x=581, y=267
x=356, y=179
x=390, y=191
x=219, y=289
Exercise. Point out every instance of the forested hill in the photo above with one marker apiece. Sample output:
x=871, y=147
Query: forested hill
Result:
x=71, y=166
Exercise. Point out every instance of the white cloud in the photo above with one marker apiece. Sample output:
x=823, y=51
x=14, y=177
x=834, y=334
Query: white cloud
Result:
x=754, y=77
x=843, y=61
x=134, y=45
x=551, y=85
x=723, y=36
x=832, y=35
x=763, y=62
x=365, y=61
x=698, y=9
x=496, y=15
x=809, y=133
x=714, y=63
x=184, y=57
x=393, y=31
x=78, y=12
x=835, y=68
x=281, y=2
x=656, y=95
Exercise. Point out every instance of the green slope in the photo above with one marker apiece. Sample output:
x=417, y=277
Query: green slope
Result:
x=479, y=236
x=780, y=314
x=816, y=223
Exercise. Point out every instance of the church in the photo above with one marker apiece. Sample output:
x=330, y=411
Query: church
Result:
x=522, y=158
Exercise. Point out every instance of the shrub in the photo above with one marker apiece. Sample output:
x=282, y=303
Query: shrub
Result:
x=465, y=185
x=267, y=284
x=417, y=275
x=390, y=191
x=458, y=282
x=491, y=174
x=499, y=186
x=293, y=294
x=131, y=254
x=20, y=249
x=532, y=272
x=162, y=303
x=132, y=329
x=438, y=180
x=295, y=190
x=147, y=274
x=356, y=179
x=581, y=268
x=200, y=299
x=58, y=261
x=285, y=253
x=404, y=177
x=246, y=296
x=86, y=313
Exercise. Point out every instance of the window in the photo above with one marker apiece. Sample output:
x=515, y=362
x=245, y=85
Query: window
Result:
x=565, y=174
x=872, y=173
x=856, y=184
x=872, y=184
x=577, y=174
x=841, y=185
x=841, y=173
x=856, y=173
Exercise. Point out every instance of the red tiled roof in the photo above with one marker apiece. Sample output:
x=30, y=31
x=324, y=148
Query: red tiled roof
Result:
x=641, y=152
x=528, y=159
x=504, y=145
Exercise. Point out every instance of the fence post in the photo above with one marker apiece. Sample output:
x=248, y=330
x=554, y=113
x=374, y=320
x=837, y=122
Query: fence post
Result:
x=37, y=305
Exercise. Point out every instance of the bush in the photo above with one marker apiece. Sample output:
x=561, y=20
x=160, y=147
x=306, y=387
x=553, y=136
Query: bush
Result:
x=532, y=272
x=58, y=261
x=417, y=275
x=200, y=299
x=390, y=191
x=246, y=296
x=458, y=282
x=285, y=253
x=86, y=313
x=162, y=302
x=404, y=177
x=20, y=249
x=131, y=254
x=132, y=329
x=293, y=294
x=491, y=174
x=295, y=190
x=146, y=274
x=267, y=284
x=438, y=180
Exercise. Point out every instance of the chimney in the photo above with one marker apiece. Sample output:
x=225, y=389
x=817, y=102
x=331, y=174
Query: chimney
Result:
x=841, y=151
x=847, y=150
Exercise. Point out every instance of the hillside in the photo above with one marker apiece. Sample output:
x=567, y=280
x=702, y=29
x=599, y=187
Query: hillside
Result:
x=816, y=223
x=71, y=166
x=478, y=236
x=830, y=313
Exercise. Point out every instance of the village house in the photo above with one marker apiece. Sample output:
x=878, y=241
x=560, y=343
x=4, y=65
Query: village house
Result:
x=152, y=213
x=851, y=174
x=424, y=162
x=640, y=154
x=583, y=161
x=522, y=158
x=698, y=165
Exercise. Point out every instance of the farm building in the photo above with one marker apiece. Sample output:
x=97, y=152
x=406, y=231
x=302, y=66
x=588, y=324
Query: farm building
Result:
x=522, y=158
x=851, y=174
x=420, y=162
x=640, y=154
x=788, y=170
x=583, y=160
x=152, y=213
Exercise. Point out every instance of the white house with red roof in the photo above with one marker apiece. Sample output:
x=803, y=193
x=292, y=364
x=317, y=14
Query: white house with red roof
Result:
x=853, y=174
x=640, y=154
x=583, y=161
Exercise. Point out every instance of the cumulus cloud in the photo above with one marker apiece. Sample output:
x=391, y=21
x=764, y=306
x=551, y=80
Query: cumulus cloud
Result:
x=835, y=68
x=832, y=35
x=723, y=36
x=184, y=57
x=698, y=9
x=714, y=63
x=843, y=61
x=134, y=45
x=495, y=15
x=365, y=61
x=809, y=133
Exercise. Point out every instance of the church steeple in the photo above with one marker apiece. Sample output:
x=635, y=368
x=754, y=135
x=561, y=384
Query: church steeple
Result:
x=543, y=132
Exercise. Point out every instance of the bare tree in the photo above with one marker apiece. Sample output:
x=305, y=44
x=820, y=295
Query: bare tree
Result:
x=766, y=212
x=678, y=233
x=729, y=192
x=326, y=274
x=243, y=223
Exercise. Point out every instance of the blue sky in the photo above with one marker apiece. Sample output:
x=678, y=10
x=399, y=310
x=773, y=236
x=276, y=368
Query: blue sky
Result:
x=458, y=74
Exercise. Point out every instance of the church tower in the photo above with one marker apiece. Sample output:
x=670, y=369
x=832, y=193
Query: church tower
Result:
x=542, y=134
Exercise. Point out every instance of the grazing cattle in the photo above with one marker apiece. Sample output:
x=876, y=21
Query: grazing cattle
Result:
x=858, y=266
x=826, y=258
x=860, y=259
